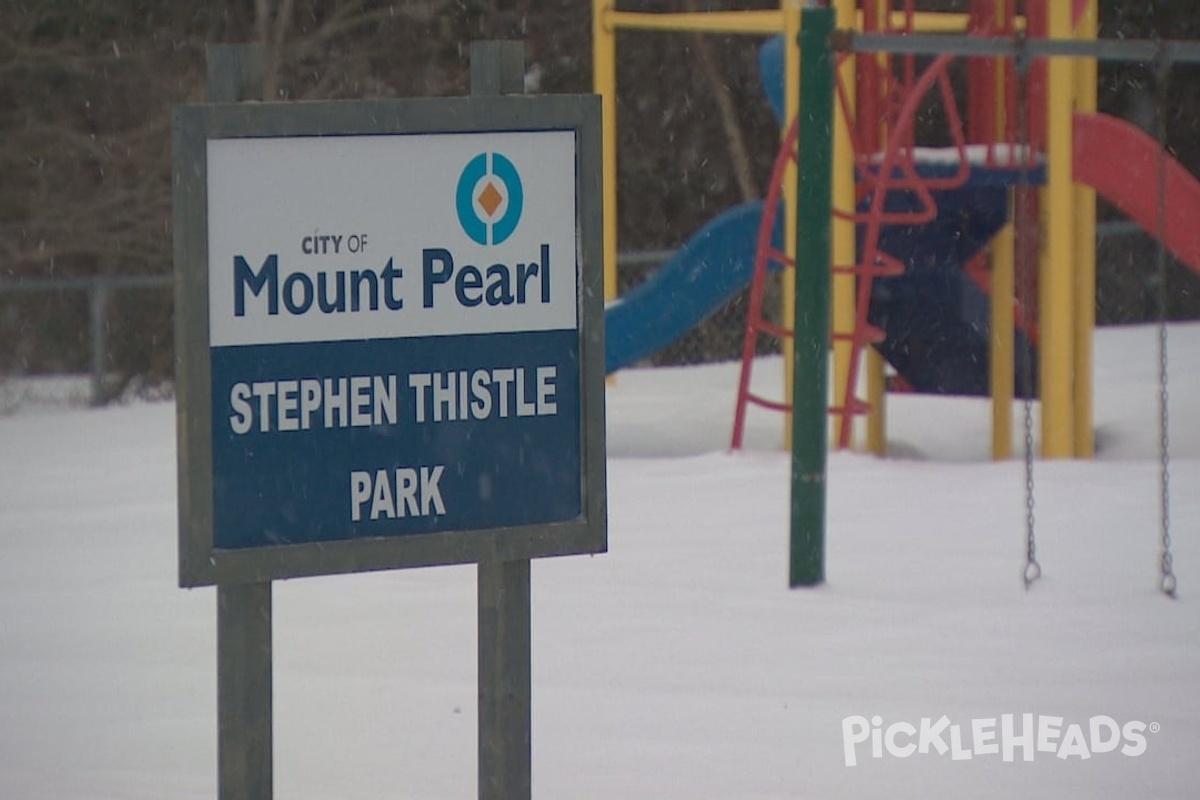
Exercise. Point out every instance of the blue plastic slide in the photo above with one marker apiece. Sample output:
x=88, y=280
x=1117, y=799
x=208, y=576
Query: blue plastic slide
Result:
x=714, y=265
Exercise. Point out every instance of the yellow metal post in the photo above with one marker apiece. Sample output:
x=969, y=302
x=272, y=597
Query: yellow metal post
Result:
x=761, y=23
x=1057, y=302
x=791, y=106
x=874, y=363
x=844, y=251
x=1085, y=252
x=766, y=22
x=877, y=397
x=604, y=83
x=1001, y=359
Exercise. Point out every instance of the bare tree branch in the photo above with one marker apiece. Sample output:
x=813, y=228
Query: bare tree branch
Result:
x=735, y=141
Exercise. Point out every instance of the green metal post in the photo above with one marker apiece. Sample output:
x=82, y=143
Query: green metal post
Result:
x=810, y=374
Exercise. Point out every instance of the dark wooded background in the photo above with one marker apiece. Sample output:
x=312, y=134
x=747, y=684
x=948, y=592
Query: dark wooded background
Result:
x=86, y=88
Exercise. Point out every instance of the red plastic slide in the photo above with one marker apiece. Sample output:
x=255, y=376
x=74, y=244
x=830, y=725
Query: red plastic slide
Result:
x=1121, y=162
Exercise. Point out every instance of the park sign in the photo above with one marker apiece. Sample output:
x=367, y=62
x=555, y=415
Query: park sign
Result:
x=390, y=334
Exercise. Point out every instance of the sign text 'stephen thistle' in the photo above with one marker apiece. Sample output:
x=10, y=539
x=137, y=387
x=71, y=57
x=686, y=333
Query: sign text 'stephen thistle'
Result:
x=394, y=334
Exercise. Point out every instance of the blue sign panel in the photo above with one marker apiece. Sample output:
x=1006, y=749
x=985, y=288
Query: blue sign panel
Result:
x=322, y=441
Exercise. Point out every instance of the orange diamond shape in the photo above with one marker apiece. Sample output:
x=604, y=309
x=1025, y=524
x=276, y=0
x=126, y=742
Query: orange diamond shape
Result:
x=490, y=199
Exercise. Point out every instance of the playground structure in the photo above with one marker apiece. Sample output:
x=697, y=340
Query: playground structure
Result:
x=927, y=267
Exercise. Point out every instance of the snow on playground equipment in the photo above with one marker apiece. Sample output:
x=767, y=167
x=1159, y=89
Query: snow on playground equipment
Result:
x=698, y=278
x=911, y=276
x=915, y=247
x=1147, y=201
x=914, y=221
x=722, y=248
x=1030, y=123
x=909, y=222
x=693, y=285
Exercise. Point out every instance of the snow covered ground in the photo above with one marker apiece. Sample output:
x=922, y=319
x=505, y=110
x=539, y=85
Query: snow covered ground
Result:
x=677, y=665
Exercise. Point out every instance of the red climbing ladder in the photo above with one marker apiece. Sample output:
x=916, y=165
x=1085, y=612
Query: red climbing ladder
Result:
x=765, y=255
x=890, y=93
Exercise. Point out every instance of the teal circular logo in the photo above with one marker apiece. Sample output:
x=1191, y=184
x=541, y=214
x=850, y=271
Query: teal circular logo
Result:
x=489, y=198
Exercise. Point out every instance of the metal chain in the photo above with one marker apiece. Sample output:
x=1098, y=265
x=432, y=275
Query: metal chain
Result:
x=1021, y=211
x=1167, y=583
x=1033, y=570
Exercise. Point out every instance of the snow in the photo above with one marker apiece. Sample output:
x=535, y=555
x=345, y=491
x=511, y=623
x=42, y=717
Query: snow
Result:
x=678, y=665
x=998, y=154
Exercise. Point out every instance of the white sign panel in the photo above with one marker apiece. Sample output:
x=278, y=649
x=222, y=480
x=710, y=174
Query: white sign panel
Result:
x=353, y=237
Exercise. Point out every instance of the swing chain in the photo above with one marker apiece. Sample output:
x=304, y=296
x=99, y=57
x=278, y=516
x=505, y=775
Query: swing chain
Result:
x=1033, y=570
x=1167, y=581
x=1021, y=212
x=1166, y=562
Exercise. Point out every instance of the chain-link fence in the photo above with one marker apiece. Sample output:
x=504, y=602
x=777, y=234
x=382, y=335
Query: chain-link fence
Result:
x=118, y=330
x=115, y=329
